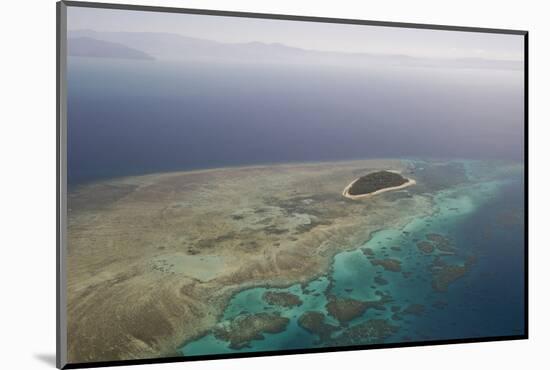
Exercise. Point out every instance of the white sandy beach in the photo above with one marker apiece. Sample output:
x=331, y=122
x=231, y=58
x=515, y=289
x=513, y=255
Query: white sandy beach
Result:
x=346, y=193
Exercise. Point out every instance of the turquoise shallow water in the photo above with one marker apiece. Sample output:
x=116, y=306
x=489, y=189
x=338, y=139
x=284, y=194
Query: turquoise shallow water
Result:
x=478, y=209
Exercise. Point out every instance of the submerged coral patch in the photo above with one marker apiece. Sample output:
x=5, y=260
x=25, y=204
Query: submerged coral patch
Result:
x=240, y=331
x=282, y=299
x=371, y=331
x=389, y=264
x=315, y=323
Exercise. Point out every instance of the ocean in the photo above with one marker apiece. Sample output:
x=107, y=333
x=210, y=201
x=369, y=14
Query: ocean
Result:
x=134, y=117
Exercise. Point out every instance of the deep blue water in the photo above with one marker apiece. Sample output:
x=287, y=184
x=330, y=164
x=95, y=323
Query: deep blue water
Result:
x=134, y=117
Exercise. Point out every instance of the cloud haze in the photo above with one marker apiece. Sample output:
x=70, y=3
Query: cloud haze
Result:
x=305, y=35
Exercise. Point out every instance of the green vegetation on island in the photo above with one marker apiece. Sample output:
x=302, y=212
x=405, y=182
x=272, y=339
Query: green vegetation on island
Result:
x=376, y=181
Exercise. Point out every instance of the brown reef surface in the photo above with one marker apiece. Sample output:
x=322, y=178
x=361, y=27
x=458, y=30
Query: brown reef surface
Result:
x=425, y=247
x=347, y=309
x=314, y=322
x=445, y=274
x=153, y=260
x=240, y=331
x=389, y=264
x=371, y=331
x=283, y=299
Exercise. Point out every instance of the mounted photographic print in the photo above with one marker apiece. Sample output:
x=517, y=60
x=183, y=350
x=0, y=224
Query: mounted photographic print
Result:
x=238, y=184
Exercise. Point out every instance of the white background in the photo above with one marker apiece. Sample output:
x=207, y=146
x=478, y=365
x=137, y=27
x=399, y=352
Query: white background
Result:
x=27, y=196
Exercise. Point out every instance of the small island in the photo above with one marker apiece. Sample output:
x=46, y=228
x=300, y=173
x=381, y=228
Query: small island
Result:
x=376, y=183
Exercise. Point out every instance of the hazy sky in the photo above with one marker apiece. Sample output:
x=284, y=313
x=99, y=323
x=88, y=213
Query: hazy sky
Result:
x=307, y=35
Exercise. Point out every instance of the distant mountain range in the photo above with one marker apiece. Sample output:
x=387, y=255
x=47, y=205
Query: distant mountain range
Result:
x=149, y=45
x=90, y=47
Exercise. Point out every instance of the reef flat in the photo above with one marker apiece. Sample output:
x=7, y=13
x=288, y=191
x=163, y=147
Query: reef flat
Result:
x=154, y=260
x=432, y=277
